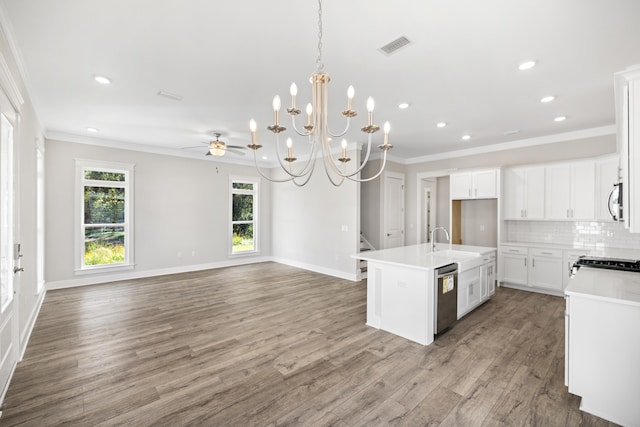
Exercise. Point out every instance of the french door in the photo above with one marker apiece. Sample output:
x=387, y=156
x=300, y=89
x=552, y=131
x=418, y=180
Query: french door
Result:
x=9, y=252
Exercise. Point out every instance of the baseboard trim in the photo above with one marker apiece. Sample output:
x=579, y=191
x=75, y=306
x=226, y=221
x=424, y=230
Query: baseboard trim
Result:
x=85, y=281
x=26, y=334
x=318, y=269
x=531, y=289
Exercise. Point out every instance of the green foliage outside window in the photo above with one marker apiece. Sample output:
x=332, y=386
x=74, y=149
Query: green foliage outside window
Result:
x=104, y=244
x=242, y=217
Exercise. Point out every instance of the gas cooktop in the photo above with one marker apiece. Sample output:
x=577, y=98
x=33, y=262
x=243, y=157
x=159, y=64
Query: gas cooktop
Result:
x=608, y=263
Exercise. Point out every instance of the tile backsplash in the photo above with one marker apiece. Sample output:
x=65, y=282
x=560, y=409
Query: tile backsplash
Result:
x=575, y=234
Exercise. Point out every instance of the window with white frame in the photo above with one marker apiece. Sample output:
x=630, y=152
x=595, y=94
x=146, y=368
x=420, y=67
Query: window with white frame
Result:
x=244, y=215
x=105, y=204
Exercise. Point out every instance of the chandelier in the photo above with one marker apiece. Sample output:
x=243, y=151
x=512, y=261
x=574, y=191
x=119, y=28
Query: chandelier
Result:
x=317, y=131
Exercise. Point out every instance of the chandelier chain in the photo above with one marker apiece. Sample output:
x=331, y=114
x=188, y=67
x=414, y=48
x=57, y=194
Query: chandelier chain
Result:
x=319, y=63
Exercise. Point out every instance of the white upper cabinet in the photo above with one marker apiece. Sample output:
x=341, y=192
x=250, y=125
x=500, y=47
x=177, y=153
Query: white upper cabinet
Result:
x=524, y=193
x=570, y=191
x=461, y=185
x=606, y=176
x=474, y=185
x=627, y=91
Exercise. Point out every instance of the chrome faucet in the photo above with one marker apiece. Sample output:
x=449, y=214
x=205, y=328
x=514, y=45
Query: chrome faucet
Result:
x=433, y=232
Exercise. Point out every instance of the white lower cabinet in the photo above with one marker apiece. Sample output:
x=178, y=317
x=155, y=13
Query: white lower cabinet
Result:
x=468, y=290
x=514, y=264
x=487, y=277
x=534, y=268
x=476, y=285
x=545, y=269
x=602, y=349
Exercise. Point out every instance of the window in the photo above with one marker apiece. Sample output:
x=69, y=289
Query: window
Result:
x=244, y=215
x=105, y=237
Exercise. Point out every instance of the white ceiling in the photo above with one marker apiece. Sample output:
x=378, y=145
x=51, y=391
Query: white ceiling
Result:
x=227, y=59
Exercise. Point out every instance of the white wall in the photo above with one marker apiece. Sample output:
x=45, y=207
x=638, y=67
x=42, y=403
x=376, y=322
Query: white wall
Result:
x=479, y=222
x=308, y=224
x=181, y=213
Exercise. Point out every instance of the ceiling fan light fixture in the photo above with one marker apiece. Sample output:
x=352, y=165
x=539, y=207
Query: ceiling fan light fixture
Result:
x=217, y=151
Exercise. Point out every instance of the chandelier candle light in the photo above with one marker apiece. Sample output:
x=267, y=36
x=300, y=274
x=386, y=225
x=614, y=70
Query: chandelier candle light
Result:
x=317, y=130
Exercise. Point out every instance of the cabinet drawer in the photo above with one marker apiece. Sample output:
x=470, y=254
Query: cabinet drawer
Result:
x=519, y=250
x=489, y=257
x=554, y=253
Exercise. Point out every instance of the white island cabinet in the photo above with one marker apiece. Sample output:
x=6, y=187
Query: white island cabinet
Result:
x=401, y=285
x=602, y=343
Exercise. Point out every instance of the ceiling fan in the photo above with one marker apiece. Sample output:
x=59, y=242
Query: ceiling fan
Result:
x=219, y=148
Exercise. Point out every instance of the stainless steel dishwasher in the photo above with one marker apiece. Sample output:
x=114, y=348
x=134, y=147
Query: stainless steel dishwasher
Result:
x=446, y=297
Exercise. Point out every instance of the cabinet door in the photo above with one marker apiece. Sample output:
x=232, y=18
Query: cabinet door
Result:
x=514, y=193
x=583, y=190
x=534, y=203
x=484, y=283
x=461, y=184
x=484, y=184
x=606, y=176
x=474, y=293
x=515, y=268
x=546, y=273
x=557, y=192
x=491, y=279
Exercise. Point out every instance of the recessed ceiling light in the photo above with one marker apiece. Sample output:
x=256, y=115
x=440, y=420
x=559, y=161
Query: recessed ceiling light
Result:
x=527, y=65
x=264, y=157
x=560, y=119
x=403, y=105
x=102, y=80
x=466, y=137
x=93, y=130
x=441, y=124
x=547, y=99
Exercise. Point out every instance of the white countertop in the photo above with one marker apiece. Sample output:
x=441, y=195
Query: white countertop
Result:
x=421, y=257
x=610, y=285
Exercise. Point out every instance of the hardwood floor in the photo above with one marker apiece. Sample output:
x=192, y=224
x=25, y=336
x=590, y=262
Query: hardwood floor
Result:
x=267, y=344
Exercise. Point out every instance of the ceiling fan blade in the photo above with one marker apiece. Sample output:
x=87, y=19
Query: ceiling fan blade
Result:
x=187, y=148
x=208, y=153
x=237, y=147
x=235, y=151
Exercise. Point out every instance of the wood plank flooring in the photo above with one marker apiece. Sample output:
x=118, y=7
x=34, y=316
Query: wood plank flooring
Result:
x=267, y=344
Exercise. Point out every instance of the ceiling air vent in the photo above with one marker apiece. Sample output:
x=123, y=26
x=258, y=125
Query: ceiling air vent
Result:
x=394, y=45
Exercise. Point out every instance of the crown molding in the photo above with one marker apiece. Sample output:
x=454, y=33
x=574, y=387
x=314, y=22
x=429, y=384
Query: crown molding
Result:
x=530, y=142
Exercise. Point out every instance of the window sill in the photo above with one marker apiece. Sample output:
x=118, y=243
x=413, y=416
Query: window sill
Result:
x=244, y=253
x=104, y=269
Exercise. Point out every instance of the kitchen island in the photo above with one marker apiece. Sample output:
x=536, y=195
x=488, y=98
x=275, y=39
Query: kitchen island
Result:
x=401, y=285
x=602, y=343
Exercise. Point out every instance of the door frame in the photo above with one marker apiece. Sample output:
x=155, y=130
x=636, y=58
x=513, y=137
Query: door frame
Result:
x=10, y=105
x=420, y=197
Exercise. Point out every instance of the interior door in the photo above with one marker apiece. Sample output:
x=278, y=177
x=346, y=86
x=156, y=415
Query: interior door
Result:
x=393, y=210
x=8, y=253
